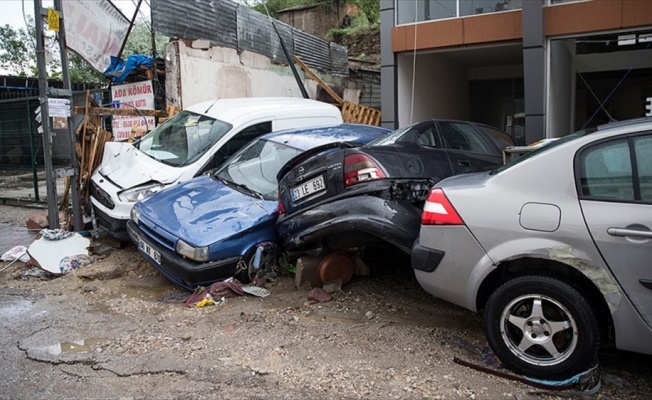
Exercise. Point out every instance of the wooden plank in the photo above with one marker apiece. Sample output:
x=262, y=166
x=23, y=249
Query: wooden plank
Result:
x=120, y=111
x=319, y=81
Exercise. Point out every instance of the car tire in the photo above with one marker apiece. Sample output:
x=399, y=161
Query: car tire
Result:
x=541, y=327
x=248, y=273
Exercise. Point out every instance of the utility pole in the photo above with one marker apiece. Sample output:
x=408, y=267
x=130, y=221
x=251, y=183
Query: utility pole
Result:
x=74, y=178
x=51, y=184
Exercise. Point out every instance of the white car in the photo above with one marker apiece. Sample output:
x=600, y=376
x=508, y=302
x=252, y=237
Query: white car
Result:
x=195, y=140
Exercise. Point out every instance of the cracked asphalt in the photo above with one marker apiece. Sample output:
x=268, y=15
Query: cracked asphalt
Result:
x=118, y=330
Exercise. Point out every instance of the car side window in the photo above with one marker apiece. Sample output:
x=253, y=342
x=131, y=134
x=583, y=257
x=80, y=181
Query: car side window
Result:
x=460, y=136
x=643, y=152
x=237, y=142
x=605, y=171
x=500, y=138
x=426, y=137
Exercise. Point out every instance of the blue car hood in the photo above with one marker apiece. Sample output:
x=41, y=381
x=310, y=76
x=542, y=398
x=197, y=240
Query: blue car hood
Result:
x=203, y=211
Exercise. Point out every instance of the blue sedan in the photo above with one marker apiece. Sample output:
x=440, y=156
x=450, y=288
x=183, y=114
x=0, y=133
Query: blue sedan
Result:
x=208, y=228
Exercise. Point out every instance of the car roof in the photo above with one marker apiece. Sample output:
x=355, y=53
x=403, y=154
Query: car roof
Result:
x=231, y=109
x=308, y=138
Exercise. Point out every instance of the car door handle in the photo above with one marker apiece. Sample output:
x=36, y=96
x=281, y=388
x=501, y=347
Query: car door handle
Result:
x=463, y=163
x=629, y=232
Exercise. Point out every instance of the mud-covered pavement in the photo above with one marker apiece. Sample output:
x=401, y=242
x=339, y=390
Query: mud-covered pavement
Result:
x=116, y=329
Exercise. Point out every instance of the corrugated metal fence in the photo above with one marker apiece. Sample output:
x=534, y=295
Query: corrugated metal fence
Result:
x=228, y=24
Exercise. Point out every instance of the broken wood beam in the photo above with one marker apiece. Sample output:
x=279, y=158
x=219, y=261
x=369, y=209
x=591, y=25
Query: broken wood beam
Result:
x=321, y=83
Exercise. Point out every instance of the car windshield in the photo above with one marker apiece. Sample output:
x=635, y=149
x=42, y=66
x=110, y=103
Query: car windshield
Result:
x=182, y=139
x=542, y=149
x=254, y=167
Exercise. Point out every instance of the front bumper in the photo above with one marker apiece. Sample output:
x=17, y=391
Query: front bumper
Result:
x=180, y=271
x=114, y=227
x=394, y=221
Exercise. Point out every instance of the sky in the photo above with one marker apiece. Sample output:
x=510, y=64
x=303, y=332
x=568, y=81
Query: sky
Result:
x=11, y=11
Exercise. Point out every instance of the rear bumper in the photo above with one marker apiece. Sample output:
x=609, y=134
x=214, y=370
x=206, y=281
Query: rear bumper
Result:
x=394, y=221
x=177, y=269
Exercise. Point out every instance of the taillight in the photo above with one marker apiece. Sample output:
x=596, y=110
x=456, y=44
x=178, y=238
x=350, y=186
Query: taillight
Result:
x=439, y=211
x=360, y=168
x=280, y=209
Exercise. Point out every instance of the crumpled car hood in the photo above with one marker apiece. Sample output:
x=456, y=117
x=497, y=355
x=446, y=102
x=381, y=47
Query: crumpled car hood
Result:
x=127, y=167
x=203, y=211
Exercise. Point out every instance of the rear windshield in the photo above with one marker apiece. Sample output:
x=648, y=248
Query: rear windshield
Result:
x=183, y=139
x=542, y=149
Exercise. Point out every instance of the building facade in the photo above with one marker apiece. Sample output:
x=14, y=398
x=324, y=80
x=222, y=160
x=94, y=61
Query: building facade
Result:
x=536, y=68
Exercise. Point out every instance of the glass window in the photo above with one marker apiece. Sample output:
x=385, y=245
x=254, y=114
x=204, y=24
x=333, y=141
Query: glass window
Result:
x=410, y=11
x=255, y=166
x=182, y=139
x=464, y=137
x=237, y=142
x=643, y=151
x=606, y=171
x=500, y=138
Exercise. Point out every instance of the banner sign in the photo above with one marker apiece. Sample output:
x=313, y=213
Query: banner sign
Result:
x=95, y=29
x=138, y=95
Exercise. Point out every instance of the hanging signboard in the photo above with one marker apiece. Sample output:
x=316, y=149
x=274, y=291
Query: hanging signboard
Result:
x=137, y=95
x=95, y=29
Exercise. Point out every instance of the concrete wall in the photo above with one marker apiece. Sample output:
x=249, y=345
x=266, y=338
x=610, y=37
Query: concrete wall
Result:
x=194, y=75
x=440, y=90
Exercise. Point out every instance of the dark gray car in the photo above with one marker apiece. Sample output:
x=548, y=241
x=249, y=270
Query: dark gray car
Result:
x=555, y=247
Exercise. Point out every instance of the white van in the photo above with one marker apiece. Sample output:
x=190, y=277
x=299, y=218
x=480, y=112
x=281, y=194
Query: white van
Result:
x=192, y=142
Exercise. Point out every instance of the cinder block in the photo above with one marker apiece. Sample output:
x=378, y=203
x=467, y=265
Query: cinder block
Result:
x=307, y=271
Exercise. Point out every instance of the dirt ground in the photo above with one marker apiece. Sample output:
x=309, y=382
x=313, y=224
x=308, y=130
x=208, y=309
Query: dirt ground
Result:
x=117, y=329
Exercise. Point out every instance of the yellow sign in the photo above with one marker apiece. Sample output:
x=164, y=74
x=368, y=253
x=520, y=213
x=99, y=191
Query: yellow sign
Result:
x=53, y=20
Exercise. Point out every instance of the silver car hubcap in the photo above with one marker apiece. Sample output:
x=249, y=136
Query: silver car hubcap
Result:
x=538, y=330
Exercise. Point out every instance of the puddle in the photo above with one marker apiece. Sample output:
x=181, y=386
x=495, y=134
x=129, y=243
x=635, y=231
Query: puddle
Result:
x=76, y=347
x=15, y=308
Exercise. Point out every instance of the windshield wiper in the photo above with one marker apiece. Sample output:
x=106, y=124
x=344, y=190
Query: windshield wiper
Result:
x=240, y=186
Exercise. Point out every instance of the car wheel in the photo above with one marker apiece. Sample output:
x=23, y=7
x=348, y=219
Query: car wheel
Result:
x=246, y=270
x=542, y=327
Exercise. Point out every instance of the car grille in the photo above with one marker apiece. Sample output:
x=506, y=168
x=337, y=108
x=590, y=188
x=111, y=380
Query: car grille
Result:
x=102, y=196
x=163, y=241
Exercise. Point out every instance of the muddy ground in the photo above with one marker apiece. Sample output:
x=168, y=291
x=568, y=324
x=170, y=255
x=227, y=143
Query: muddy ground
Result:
x=117, y=329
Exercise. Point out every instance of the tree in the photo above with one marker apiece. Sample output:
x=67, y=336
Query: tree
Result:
x=18, y=52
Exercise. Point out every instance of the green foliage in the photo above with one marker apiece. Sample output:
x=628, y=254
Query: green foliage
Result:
x=18, y=52
x=370, y=8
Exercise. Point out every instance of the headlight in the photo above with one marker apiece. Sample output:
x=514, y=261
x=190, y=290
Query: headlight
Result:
x=139, y=193
x=191, y=252
x=135, y=215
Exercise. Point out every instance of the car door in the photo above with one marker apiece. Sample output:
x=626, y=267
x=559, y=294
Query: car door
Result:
x=615, y=194
x=468, y=149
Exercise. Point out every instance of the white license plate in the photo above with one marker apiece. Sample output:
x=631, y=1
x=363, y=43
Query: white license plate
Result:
x=313, y=186
x=149, y=250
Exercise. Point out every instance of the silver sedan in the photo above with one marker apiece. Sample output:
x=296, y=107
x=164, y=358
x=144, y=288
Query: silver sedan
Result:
x=555, y=247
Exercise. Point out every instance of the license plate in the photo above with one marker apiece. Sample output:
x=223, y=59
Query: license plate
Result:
x=313, y=186
x=142, y=245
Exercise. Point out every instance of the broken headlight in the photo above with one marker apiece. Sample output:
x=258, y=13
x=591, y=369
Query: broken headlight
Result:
x=140, y=193
x=191, y=252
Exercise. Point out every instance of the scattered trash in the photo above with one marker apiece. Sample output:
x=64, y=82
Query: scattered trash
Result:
x=256, y=291
x=319, y=295
x=52, y=246
x=16, y=253
x=77, y=261
x=228, y=288
x=584, y=384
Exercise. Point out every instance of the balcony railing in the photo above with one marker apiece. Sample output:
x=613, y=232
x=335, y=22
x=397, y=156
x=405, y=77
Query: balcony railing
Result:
x=410, y=11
